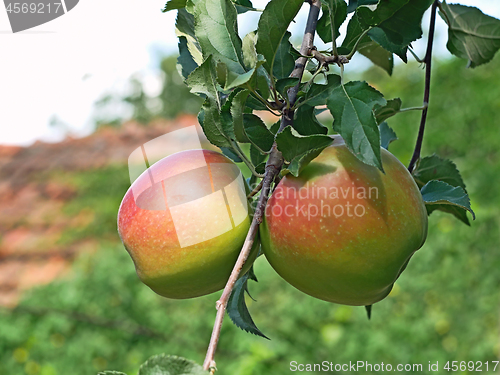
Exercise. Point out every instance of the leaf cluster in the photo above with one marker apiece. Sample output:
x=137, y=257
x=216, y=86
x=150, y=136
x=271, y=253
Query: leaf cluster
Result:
x=237, y=77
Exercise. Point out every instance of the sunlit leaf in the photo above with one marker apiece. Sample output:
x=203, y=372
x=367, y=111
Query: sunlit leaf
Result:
x=439, y=195
x=352, y=106
x=389, y=18
x=472, y=35
x=299, y=150
x=217, y=32
x=174, y=4
x=185, y=61
x=273, y=25
x=170, y=365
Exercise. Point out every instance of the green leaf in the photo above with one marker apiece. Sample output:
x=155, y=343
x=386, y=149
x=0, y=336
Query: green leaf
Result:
x=185, y=23
x=231, y=154
x=217, y=32
x=472, y=35
x=377, y=55
x=240, y=80
x=256, y=156
x=283, y=84
x=216, y=126
x=261, y=168
x=254, y=103
x=387, y=135
x=184, y=27
x=275, y=127
x=185, y=61
x=263, y=82
x=389, y=17
x=351, y=107
x=436, y=168
x=382, y=11
x=170, y=365
x=283, y=61
x=354, y=32
x=334, y=15
x=237, y=110
x=367, y=47
x=306, y=123
x=249, y=51
x=368, y=309
x=392, y=108
x=441, y=196
x=237, y=308
x=299, y=150
x=203, y=80
x=318, y=94
x=111, y=373
x=174, y=4
x=257, y=132
x=251, y=59
x=456, y=211
x=379, y=36
x=273, y=25
x=243, y=6
x=353, y=4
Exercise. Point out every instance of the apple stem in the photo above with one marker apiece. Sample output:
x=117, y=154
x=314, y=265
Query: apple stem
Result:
x=427, y=60
x=273, y=167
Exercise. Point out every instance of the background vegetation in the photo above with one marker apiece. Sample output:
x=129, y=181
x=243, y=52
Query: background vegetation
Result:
x=446, y=306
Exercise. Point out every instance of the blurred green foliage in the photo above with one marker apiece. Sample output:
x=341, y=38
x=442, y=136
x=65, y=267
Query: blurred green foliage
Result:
x=446, y=305
x=174, y=99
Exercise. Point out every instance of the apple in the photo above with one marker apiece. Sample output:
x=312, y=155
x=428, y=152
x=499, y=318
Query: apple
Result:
x=184, y=221
x=343, y=231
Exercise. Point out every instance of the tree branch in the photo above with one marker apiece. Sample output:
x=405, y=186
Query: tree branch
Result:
x=427, y=60
x=273, y=167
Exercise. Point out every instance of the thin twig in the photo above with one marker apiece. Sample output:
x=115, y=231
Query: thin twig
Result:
x=256, y=190
x=427, y=60
x=273, y=167
x=271, y=171
x=325, y=60
x=413, y=108
x=440, y=6
x=248, y=163
x=356, y=45
x=263, y=101
x=418, y=59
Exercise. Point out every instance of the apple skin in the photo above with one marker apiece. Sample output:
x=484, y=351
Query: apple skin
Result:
x=152, y=230
x=351, y=257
